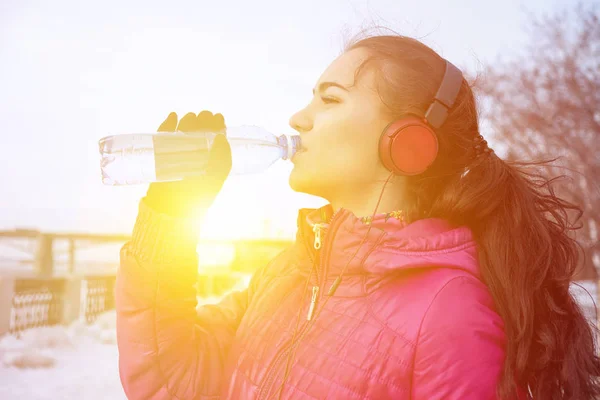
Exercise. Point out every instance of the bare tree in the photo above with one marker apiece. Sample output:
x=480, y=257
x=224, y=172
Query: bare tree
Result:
x=545, y=104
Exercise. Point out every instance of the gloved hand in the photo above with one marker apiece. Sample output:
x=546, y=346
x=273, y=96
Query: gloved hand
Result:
x=187, y=197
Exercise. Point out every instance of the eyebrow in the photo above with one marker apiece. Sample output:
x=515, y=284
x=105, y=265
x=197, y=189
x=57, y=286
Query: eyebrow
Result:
x=324, y=85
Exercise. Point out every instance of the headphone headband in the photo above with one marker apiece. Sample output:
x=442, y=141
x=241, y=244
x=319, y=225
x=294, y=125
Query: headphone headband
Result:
x=446, y=95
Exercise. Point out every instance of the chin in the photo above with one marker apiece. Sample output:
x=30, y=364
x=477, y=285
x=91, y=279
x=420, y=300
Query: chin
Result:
x=302, y=183
x=296, y=181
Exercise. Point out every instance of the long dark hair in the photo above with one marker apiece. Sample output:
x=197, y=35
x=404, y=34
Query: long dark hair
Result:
x=523, y=229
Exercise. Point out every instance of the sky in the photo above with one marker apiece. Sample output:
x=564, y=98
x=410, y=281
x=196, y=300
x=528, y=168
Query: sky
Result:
x=72, y=72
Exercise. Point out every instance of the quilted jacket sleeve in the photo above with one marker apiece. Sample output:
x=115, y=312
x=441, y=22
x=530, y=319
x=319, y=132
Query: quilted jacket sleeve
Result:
x=460, y=349
x=166, y=349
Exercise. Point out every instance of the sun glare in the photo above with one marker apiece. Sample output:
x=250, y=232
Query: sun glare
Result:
x=215, y=254
x=228, y=220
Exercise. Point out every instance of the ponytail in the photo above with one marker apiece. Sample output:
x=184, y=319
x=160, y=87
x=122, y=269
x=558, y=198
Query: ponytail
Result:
x=528, y=260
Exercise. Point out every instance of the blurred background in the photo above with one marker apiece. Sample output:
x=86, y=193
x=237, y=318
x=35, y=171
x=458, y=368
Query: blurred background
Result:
x=72, y=72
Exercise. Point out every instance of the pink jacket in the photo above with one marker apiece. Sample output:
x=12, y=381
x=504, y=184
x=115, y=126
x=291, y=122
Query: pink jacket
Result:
x=411, y=318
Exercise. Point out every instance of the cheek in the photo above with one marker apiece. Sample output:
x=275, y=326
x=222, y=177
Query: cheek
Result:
x=346, y=150
x=349, y=130
x=360, y=150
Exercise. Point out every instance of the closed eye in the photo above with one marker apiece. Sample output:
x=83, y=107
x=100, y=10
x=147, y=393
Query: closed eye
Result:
x=329, y=100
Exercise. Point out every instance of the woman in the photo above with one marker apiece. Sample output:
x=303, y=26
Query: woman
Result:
x=455, y=287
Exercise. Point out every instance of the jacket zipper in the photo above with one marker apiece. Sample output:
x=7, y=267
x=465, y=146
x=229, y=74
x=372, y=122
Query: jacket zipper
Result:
x=313, y=302
x=317, y=232
x=264, y=390
x=317, y=243
x=284, y=352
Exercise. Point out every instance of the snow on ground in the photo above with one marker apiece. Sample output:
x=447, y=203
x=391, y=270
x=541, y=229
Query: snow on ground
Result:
x=78, y=362
x=66, y=363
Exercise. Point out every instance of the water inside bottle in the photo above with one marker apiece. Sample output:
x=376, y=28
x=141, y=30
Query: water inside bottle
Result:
x=181, y=156
x=133, y=159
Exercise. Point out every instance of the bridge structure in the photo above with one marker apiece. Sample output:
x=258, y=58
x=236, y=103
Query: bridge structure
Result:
x=42, y=281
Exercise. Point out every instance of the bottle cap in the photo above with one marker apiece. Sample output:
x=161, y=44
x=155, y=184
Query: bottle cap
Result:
x=293, y=145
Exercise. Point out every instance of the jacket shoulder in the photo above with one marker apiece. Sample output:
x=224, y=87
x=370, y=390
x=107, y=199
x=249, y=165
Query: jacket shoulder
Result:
x=403, y=302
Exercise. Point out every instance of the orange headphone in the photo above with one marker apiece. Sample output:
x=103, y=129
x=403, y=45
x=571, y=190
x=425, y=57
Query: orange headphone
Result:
x=408, y=146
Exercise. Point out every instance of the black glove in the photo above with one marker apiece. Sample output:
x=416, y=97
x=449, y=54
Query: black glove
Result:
x=187, y=197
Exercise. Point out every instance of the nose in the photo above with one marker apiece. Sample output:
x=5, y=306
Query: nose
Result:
x=301, y=121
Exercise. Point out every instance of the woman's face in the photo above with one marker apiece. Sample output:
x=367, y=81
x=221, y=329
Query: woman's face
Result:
x=340, y=130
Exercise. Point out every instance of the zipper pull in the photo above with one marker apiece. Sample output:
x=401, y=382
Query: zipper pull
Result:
x=313, y=302
x=317, y=231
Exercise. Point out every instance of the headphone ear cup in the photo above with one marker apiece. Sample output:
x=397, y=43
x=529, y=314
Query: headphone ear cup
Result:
x=408, y=146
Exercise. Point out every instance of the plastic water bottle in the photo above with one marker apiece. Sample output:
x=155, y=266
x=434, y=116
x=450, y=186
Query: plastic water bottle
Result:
x=131, y=159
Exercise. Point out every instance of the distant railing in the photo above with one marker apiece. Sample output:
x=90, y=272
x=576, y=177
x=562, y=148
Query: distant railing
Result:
x=98, y=296
x=36, y=303
x=41, y=302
